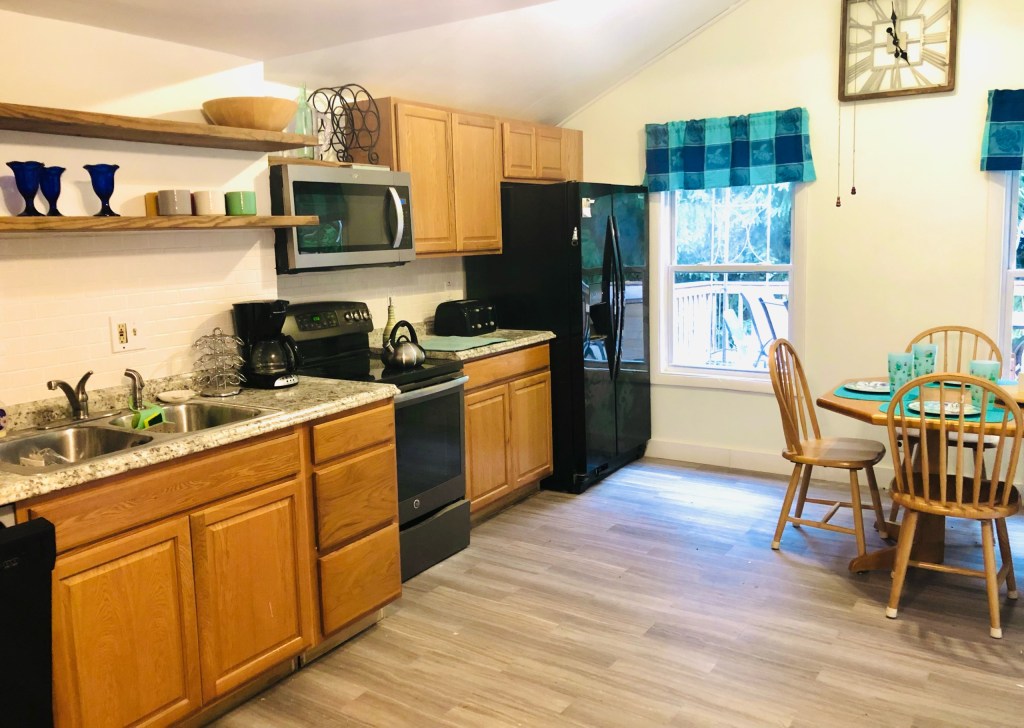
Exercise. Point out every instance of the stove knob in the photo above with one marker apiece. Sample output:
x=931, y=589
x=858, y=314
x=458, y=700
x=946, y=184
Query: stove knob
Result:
x=348, y=315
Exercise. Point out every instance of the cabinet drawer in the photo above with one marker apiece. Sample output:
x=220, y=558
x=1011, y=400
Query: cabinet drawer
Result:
x=128, y=501
x=494, y=369
x=355, y=496
x=359, y=578
x=353, y=432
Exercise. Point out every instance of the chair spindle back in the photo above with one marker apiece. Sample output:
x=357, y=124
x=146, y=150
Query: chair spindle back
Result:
x=795, y=404
x=958, y=345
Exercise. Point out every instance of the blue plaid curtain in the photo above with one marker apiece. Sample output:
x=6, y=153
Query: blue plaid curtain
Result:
x=730, y=151
x=1003, y=145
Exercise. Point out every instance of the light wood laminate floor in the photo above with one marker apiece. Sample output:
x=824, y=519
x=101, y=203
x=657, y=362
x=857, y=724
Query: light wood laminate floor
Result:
x=654, y=599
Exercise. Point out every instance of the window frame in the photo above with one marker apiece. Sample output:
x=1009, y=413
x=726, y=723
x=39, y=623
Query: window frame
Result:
x=1010, y=272
x=662, y=226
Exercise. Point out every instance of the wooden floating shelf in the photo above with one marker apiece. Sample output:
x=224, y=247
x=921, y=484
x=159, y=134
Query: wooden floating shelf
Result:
x=43, y=120
x=144, y=224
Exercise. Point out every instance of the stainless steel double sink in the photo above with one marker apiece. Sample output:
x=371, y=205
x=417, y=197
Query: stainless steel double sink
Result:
x=45, y=451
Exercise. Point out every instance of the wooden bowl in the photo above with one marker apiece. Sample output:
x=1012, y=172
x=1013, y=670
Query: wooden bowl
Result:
x=251, y=112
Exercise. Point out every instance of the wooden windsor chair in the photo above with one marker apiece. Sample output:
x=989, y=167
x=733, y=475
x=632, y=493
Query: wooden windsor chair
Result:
x=933, y=482
x=958, y=346
x=806, y=448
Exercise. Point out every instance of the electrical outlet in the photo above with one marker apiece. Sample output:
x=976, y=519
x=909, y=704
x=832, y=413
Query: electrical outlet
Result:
x=125, y=334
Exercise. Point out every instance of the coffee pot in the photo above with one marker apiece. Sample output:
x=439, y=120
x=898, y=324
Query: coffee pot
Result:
x=271, y=357
x=401, y=351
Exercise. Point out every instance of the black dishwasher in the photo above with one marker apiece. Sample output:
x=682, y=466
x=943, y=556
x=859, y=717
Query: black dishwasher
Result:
x=27, y=553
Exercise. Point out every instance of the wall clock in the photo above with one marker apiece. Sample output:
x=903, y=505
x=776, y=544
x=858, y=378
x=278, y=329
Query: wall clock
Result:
x=896, y=48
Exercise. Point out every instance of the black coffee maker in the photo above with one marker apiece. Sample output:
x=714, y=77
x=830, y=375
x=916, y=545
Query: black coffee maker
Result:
x=270, y=356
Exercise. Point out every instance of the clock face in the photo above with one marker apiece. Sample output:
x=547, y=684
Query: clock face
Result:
x=914, y=55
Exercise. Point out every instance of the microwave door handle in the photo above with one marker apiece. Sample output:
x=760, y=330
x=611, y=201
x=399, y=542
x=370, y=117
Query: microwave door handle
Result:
x=400, y=215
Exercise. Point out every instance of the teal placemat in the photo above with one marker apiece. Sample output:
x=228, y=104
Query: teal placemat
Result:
x=993, y=413
x=1001, y=383
x=457, y=343
x=851, y=394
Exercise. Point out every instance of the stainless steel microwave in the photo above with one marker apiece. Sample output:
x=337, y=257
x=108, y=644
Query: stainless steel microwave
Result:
x=365, y=217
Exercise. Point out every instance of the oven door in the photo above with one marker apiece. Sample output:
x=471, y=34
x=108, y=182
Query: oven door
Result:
x=429, y=436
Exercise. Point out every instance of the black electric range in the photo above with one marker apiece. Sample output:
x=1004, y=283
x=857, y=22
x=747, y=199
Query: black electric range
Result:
x=433, y=513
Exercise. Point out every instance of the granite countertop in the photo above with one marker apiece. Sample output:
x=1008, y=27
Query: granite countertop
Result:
x=516, y=339
x=312, y=398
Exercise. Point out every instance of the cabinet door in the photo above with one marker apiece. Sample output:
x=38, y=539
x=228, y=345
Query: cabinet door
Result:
x=252, y=572
x=572, y=154
x=477, y=149
x=359, y=578
x=531, y=427
x=549, y=153
x=519, y=149
x=425, y=152
x=488, y=467
x=125, y=650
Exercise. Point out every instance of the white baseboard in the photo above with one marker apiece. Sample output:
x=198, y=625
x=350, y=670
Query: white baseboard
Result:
x=758, y=461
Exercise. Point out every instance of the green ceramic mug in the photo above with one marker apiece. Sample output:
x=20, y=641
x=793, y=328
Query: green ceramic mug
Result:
x=240, y=203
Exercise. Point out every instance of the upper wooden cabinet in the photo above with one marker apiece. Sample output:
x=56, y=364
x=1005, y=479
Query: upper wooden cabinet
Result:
x=454, y=162
x=519, y=149
x=424, y=137
x=537, y=152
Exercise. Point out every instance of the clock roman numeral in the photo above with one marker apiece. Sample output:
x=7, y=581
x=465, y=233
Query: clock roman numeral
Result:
x=936, y=16
x=935, y=59
x=900, y=7
x=859, y=67
x=862, y=46
x=895, y=79
x=878, y=10
x=920, y=7
x=933, y=38
x=920, y=78
x=874, y=82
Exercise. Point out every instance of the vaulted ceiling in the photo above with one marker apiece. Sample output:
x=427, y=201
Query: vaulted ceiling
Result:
x=531, y=59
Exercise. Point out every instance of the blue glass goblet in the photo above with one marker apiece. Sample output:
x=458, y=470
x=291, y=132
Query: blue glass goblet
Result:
x=26, y=178
x=49, y=183
x=102, y=176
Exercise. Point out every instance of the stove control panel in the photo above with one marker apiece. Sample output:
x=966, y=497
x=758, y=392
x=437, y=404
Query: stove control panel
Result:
x=325, y=319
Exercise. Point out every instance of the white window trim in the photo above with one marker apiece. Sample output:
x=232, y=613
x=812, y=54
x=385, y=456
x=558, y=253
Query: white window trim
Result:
x=660, y=226
x=1003, y=211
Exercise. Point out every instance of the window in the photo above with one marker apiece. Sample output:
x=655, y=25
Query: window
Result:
x=728, y=277
x=1013, y=334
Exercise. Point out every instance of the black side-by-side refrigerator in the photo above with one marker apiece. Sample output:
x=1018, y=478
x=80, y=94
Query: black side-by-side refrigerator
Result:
x=574, y=262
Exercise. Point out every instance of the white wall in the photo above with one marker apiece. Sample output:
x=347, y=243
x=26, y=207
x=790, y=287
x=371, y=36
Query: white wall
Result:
x=58, y=292
x=916, y=247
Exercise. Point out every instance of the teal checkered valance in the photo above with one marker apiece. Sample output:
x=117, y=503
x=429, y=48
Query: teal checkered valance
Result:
x=730, y=151
x=1002, y=148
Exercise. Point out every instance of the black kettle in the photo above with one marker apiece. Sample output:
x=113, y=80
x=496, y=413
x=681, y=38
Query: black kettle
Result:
x=403, y=352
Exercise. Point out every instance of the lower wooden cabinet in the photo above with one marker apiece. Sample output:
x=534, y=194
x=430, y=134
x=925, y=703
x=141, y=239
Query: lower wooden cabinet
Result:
x=531, y=427
x=488, y=461
x=250, y=584
x=125, y=646
x=508, y=424
x=360, y=578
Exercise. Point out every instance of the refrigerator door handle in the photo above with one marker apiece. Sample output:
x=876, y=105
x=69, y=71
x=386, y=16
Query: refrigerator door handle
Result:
x=620, y=298
x=609, y=296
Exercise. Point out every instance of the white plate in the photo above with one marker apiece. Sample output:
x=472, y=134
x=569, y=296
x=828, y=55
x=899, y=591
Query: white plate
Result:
x=931, y=407
x=176, y=396
x=868, y=387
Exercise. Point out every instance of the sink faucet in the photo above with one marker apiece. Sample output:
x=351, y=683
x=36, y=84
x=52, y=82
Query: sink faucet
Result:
x=77, y=397
x=135, y=394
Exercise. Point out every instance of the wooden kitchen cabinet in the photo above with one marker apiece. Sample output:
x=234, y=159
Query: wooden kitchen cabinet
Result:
x=508, y=424
x=355, y=486
x=519, y=149
x=538, y=152
x=424, y=145
x=125, y=645
x=476, y=147
x=488, y=436
x=251, y=581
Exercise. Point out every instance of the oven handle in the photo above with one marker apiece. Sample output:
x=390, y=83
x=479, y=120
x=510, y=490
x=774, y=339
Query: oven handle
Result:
x=405, y=397
x=399, y=215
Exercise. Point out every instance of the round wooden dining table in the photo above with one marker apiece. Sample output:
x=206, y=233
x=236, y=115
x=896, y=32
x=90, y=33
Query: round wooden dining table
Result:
x=930, y=536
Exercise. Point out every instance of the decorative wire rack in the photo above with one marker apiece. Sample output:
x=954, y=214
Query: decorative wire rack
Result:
x=346, y=120
x=217, y=368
